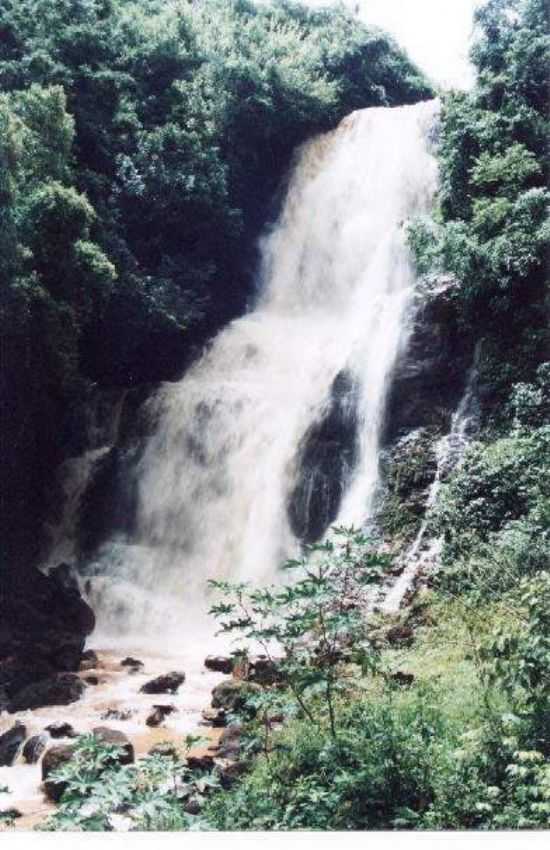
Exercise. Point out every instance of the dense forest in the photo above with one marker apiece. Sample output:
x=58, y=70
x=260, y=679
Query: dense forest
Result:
x=143, y=149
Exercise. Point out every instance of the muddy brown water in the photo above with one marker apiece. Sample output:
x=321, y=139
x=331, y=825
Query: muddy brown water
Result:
x=118, y=689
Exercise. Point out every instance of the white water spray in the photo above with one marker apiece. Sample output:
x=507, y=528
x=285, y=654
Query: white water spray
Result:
x=450, y=451
x=336, y=281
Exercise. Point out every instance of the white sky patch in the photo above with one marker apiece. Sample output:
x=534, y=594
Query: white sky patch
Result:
x=435, y=33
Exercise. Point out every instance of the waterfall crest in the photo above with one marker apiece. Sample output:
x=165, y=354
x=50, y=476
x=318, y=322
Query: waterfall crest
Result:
x=289, y=400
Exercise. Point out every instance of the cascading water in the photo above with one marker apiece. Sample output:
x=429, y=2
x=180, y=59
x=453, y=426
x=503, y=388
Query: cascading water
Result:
x=227, y=482
x=450, y=451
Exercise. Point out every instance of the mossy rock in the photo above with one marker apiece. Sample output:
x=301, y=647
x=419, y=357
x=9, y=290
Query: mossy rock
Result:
x=234, y=694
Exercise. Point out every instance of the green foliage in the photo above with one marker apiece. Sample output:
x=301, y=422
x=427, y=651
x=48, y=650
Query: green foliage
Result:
x=316, y=621
x=494, y=513
x=492, y=231
x=147, y=795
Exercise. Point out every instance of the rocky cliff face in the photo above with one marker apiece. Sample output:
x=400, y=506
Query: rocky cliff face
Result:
x=44, y=625
x=427, y=386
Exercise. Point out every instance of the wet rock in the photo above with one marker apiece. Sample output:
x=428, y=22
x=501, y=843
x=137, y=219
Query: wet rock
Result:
x=428, y=378
x=264, y=671
x=165, y=684
x=229, y=745
x=408, y=469
x=193, y=806
x=117, y=714
x=219, y=663
x=327, y=454
x=134, y=664
x=60, y=689
x=202, y=762
x=34, y=748
x=10, y=744
x=54, y=758
x=400, y=635
x=10, y=814
x=61, y=730
x=216, y=717
x=233, y=694
x=403, y=679
x=228, y=771
x=118, y=739
x=166, y=749
x=89, y=660
x=159, y=713
x=43, y=628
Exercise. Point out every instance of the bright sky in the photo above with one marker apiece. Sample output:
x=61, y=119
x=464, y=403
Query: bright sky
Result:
x=435, y=33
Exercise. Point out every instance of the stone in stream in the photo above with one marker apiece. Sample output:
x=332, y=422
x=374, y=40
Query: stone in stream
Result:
x=61, y=730
x=60, y=754
x=166, y=749
x=219, y=663
x=233, y=695
x=117, y=714
x=43, y=628
x=89, y=660
x=165, y=684
x=229, y=745
x=10, y=744
x=216, y=717
x=60, y=689
x=202, y=762
x=34, y=748
x=118, y=739
x=159, y=713
x=228, y=771
x=54, y=758
x=134, y=664
x=10, y=814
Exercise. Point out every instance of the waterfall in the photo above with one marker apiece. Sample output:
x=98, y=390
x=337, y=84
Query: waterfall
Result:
x=449, y=451
x=274, y=433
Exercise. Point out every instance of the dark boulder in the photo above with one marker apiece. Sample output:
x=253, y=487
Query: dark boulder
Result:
x=165, y=749
x=118, y=739
x=159, y=713
x=60, y=689
x=165, y=684
x=134, y=664
x=34, y=748
x=429, y=376
x=264, y=671
x=44, y=623
x=400, y=635
x=202, y=762
x=61, y=730
x=10, y=814
x=10, y=744
x=219, y=663
x=216, y=717
x=328, y=453
x=54, y=758
x=89, y=660
x=403, y=679
x=229, y=745
x=233, y=694
x=228, y=771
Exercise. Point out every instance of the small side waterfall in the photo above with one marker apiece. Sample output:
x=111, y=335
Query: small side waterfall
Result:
x=274, y=434
x=450, y=450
